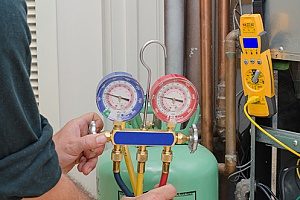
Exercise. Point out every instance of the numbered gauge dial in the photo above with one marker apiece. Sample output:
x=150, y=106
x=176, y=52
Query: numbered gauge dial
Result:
x=174, y=98
x=255, y=79
x=119, y=97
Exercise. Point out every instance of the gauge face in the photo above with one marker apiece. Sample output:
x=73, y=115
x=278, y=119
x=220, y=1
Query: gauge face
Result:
x=120, y=98
x=174, y=98
x=255, y=79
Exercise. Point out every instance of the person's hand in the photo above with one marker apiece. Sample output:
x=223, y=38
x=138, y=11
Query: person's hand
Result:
x=74, y=146
x=166, y=192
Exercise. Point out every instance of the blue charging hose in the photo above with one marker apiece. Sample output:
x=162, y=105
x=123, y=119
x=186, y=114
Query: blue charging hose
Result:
x=122, y=185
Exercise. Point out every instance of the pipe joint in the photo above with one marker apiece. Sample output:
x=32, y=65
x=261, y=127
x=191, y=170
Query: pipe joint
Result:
x=230, y=158
x=142, y=156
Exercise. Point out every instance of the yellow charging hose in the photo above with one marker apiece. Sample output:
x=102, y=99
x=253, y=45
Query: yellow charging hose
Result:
x=139, y=184
x=130, y=168
x=255, y=99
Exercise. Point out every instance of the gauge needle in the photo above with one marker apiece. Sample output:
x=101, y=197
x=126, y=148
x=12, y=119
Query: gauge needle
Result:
x=174, y=99
x=120, y=97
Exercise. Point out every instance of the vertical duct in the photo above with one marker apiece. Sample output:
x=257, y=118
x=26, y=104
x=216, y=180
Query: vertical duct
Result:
x=206, y=74
x=174, y=35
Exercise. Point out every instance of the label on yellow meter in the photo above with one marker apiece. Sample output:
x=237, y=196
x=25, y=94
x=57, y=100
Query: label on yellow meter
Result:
x=256, y=66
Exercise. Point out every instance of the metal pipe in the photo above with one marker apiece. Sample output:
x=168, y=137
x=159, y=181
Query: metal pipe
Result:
x=192, y=46
x=206, y=74
x=223, y=29
x=174, y=35
x=230, y=81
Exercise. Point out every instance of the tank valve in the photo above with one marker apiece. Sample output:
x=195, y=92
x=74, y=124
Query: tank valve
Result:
x=193, y=138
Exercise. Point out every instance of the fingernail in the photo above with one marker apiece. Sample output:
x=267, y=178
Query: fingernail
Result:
x=101, y=139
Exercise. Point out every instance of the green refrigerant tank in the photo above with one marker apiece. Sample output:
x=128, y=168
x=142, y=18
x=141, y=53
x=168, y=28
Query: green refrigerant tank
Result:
x=195, y=176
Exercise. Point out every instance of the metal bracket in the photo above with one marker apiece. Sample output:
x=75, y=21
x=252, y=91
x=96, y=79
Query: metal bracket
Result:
x=292, y=139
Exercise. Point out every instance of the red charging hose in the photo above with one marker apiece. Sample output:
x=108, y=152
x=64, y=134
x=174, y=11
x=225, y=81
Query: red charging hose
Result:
x=163, y=179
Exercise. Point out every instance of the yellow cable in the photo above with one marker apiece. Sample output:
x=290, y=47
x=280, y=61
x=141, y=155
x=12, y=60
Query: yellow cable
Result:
x=297, y=169
x=139, y=184
x=130, y=168
x=255, y=99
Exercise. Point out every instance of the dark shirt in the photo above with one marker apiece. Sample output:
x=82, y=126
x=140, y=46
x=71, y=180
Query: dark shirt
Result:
x=28, y=161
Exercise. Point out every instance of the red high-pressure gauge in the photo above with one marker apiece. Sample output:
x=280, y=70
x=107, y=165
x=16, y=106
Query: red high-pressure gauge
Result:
x=174, y=98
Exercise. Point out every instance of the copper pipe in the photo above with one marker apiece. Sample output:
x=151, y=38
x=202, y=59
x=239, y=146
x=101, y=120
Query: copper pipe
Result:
x=223, y=29
x=230, y=79
x=206, y=74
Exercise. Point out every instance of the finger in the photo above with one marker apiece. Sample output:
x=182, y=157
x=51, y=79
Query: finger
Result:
x=81, y=163
x=89, y=166
x=94, y=153
x=90, y=142
x=164, y=193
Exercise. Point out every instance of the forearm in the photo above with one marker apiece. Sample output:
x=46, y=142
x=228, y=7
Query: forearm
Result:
x=65, y=189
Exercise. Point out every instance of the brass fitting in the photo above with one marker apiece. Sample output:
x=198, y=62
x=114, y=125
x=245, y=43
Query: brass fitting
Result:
x=141, y=167
x=116, y=154
x=116, y=166
x=170, y=126
x=142, y=154
x=166, y=155
x=166, y=158
x=165, y=167
x=107, y=135
x=141, y=157
x=181, y=138
x=118, y=126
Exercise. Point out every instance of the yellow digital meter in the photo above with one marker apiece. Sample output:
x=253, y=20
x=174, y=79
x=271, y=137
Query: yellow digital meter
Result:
x=256, y=66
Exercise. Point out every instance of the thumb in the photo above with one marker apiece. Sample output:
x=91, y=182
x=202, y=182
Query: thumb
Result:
x=91, y=141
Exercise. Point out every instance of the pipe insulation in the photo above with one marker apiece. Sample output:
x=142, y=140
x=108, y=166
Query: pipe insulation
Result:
x=174, y=35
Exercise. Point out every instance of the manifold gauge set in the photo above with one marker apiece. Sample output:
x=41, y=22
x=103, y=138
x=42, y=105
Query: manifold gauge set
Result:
x=172, y=100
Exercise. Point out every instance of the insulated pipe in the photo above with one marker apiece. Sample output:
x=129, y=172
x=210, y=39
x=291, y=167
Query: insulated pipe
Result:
x=192, y=46
x=230, y=79
x=206, y=74
x=174, y=35
x=223, y=30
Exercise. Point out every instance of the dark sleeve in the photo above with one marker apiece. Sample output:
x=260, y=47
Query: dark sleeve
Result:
x=28, y=161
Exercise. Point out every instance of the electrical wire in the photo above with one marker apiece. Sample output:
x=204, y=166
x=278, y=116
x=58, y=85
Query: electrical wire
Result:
x=268, y=190
x=255, y=99
x=122, y=185
x=264, y=191
x=240, y=5
x=297, y=169
x=242, y=151
x=237, y=172
x=234, y=18
x=282, y=180
x=244, y=165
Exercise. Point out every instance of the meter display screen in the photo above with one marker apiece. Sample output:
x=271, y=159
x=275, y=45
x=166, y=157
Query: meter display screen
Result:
x=250, y=43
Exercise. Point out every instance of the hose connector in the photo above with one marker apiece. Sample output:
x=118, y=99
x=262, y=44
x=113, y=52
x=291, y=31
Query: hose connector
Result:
x=141, y=157
x=116, y=157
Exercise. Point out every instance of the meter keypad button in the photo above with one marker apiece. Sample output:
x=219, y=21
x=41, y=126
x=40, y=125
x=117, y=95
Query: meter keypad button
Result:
x=252, y=61
x=259, y=62
x=246, y=62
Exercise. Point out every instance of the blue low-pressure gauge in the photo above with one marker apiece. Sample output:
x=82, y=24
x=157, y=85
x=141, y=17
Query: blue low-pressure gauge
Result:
x=119, y=96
